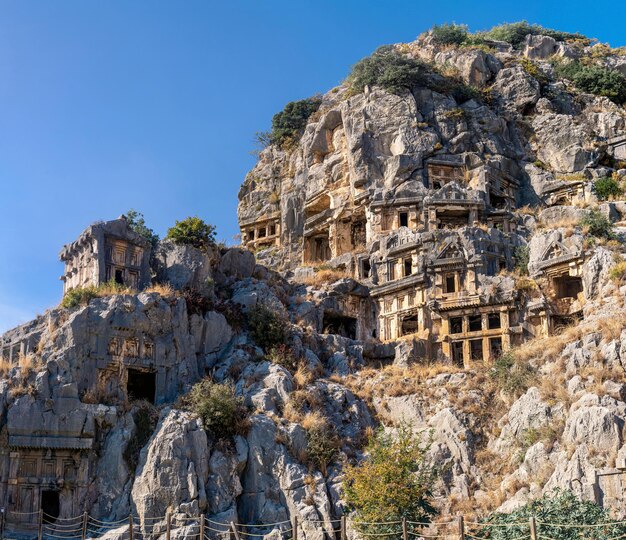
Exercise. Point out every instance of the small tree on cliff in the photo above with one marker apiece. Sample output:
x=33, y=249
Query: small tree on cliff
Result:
x=192, y=231
x=394, y=482
x=137, y=223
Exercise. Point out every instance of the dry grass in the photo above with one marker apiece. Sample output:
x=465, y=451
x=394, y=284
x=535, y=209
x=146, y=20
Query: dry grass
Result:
x=313, y=420
x=302, y=377
x=326, y=276
x=163, y=289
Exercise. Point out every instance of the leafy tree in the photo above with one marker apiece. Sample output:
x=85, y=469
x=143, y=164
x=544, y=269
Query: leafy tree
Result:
x=394, y=482
x=222, y=412
x=137, y=223
x=388, y=69
x=607, y=187
x=598, y=224
x=560, y=514
x=449, y=34
x=192, y=231
x=288, y=125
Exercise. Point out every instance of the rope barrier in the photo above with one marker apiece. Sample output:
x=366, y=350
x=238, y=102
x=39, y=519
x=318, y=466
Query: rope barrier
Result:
x=261, y=525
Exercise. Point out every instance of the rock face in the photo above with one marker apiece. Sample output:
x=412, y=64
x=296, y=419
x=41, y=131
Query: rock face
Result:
x=427, y=265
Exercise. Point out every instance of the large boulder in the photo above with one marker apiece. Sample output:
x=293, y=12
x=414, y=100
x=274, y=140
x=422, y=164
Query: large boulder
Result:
x=238, y=263
x=173, y=468
x=517, y=88
x=183, y=266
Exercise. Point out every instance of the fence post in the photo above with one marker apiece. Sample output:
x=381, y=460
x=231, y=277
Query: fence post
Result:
x=405, y=532
x=130, y=526
x=2, y=524
x=84, y=533
x=235, y=531
x=40, y=528
x=168, y=521
x=202, y=519
x=461, y=525
x=344, y=533
x=533, y=529
x=294, y=528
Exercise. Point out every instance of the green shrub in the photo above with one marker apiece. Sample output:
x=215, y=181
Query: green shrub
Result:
x=607, y=187
x=145, y=418
x=521, y=257
x=222, y=412
x=593, y=80
x=388, y=69
x=192, y=231
x=449, y=34
x=554, y=512
x=267, y=327
x=512, y=376
x=394, y=482
x=598, y=225
x=618, y=271
x=137, y=223
x=288, y=125
x=515, y=33
x=323, y=444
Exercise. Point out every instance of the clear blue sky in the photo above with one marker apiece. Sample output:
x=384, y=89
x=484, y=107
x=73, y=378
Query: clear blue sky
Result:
x=150, y=104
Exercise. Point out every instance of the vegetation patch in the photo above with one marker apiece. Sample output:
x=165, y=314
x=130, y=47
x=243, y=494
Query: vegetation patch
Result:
x=395, y=481
x=449, y=34
x=597, y=224
x=137, y=223
x=289, y=124
x=192, y=231
x=515, y=33
x=521, y=258
x=512, y=375
x=559, y=516
x=594, y=79
x=81, y=296
x=268, y=328
x=388, y=69
x=223, y=413
x=607, y=188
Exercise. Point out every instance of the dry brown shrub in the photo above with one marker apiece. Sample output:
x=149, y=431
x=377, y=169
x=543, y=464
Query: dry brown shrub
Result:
x=163, y=289
x=325, y=276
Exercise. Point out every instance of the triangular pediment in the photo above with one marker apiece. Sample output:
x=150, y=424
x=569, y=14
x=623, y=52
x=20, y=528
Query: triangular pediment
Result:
x=555, y=250
x=452, y=250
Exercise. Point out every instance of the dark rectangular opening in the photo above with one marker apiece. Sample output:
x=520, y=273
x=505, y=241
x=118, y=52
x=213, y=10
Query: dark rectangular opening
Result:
x=366, y=268
x=272, y=230
x=358, y=234
x=495, y=347
x=404, y=219
x=141, y=385
x=50, y=505
x=456, y=325
x=261, y=232
x=391, y=270
x=457, y=353
x=567, y=286
x=494, y=321
x=497, y=201
x=119, y=276
x=476, y=349
x=408, y=267
x=561, y=322
x=340, y=325
x=437, y=184
x=409, y=324
x=475, y=323
x=450, y=284
x=251, y=234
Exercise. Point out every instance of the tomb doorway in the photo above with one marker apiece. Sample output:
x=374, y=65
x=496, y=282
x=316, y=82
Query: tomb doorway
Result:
x=141, y=385
x=50, y=505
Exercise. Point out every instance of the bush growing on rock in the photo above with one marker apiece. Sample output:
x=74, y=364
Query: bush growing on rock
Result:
x=449, y=34
x=192, y=231
x=322, y=441
x=288, y=125
x=521, y=258
x=594, y=79
x=388, y=69
x=554, y=512
x=394, y=482
x=222, y=412
x=284, y=356
x=515, y=33
x=513, y=377
x=267, y=327
x=598, y=225
x=606, y=188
